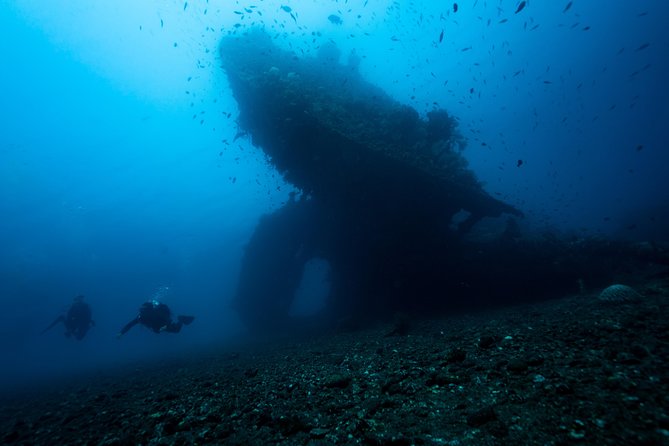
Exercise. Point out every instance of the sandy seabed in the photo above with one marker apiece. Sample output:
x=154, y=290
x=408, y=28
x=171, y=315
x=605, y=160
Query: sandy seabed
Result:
x=570, y=371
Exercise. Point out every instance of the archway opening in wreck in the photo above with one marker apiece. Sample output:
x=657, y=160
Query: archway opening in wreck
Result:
x=459, y=218
x=314, y=289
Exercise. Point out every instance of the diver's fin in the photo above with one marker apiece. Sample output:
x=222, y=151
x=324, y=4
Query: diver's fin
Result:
x=186, y=320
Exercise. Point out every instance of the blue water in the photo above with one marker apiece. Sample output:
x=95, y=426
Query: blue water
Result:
x=120, y=174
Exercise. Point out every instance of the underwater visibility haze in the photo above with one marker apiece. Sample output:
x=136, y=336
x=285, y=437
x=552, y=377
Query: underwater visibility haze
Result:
x=143, y=142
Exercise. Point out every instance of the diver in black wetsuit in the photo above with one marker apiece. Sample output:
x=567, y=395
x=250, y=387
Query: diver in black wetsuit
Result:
x=77, y=321
x=157, y=317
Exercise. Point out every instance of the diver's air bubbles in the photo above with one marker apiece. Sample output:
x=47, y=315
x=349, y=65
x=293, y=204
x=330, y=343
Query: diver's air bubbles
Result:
x=160, y=293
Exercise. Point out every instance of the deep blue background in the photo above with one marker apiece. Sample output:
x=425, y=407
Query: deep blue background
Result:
x=119, y=172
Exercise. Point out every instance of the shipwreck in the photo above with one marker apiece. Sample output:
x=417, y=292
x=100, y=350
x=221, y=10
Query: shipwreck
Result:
x=386, y=198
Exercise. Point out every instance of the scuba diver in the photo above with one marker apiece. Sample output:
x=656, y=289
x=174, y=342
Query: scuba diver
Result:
x=157, y=317
x=77, y=321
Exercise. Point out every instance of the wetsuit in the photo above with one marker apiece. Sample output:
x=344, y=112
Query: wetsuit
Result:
x=158, y=317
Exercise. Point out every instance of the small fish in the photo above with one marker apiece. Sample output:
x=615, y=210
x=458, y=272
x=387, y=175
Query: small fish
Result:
x=566, y=8
x=639, y=148
x=286, y=8
x=455, y=7
x=521, y=6
x=333, y=18
x=519, y=163
x=161, y=23
x=586, y=28
x=643, y=47
x=503, y=21
x=185, y=5
x=441, y=36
